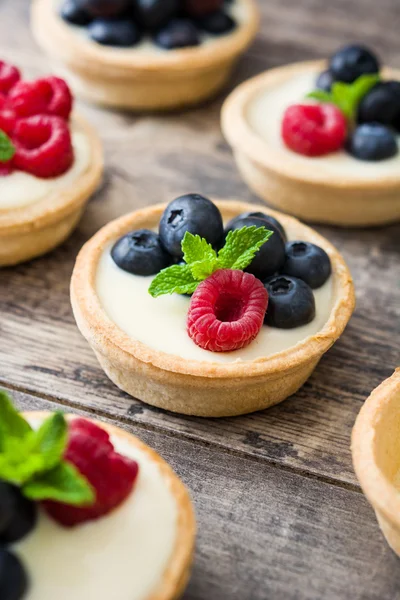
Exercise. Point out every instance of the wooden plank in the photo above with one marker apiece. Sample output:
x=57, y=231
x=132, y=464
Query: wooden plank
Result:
x=264, y=533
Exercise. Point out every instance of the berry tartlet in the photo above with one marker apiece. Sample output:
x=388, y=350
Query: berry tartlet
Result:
x=88, y=511
x=321, y=140
x=50, y=163
x=375, y=447
x=145, y=54
x=210, y=309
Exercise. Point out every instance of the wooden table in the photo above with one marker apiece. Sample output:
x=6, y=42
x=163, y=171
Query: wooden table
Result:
x=280, y=513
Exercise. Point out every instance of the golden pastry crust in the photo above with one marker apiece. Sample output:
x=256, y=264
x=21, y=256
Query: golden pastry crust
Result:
x=375, y=448
x=178, y=570
x=29, y=231
x=140, y=80
x=287, y=183
x=199, y=387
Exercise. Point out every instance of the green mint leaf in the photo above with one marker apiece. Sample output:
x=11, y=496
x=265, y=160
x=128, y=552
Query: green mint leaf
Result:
x=64, y=484
x=320, y=95
x=16, y=464
x=241, y=247
x=51, y=440
x=7, y=148
x=12, y=424
x=176, y=279
x=199, y=255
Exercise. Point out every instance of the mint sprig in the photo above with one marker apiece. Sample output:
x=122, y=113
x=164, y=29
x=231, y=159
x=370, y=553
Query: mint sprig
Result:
x=33, y=460
x=7, y=148
x=201, y=260
x=347, y=96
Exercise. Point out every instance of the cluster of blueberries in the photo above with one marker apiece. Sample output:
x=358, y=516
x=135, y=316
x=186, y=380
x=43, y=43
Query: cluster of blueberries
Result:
x=18, y=517
x=170, y=23
x=378, y=116
x=289, y=270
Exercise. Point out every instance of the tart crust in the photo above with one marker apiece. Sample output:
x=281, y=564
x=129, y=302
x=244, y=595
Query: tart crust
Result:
x=198, y=387
x=122, y=78
x=291, y=185
x=375, y=448
x=177, y=573
x=30, y=231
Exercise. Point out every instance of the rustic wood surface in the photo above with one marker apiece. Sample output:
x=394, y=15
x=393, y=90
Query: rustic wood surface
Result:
x=281, y=515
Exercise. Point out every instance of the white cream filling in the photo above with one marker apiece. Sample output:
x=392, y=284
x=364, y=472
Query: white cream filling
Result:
x=160, y=323
x=122, y=556
x=22, y=189
x=265, y=112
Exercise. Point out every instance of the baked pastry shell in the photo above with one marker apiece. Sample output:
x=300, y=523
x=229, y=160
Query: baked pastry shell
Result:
x=32, y=230
x=176, y=575
x=198, y=387
x=123, y=78
x=292, y=186
x=375, y=448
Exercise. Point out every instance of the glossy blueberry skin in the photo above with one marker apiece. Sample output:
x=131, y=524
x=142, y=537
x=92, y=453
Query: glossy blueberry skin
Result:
x=104, y=9
x=271, y=256
x=381, y=104
x=178, y=33
x=324, y=81
x=372, y=142
x=291, y=302
x=13, y=577
x=153, y=14
x=72, y=13
x=119, y=32
x=140, y=253
x=19, y=515
x=308, y=262
x=193, y=213
x=351, y=62
x=217, y=23
x=260, y=215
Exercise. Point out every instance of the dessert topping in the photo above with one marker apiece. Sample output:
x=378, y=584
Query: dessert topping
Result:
x=9, y=75
x=350, y=62
x=372, y=141
x=13, y=577
x=308, y=262
x=140, y=252
x=291, y=302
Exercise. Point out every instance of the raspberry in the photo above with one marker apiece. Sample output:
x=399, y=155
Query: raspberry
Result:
x=43, y=146
x=314, y=129
x=111, y=474
x=227, y=311
x=60, y=104
x=9, y=76
x=8, y=118
x=49, y=96
x=6, y=169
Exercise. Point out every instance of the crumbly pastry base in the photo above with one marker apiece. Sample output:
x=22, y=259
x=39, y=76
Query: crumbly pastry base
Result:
x=293, y=188
x=375, y=448
x=140, y=81
x=197, y=387
x=177, y=573
x=33, y=230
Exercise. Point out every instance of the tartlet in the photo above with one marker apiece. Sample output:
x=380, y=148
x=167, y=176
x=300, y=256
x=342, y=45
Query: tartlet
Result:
x=297, y=184
x=376, y=455
x=198, y=387
x=32, y=230
x=125, y=78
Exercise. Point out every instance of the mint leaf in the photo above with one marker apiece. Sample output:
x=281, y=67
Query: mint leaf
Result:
x=64, y=484
x=176, y=279
x=320, y=95
x=51, y=440
x=199, y=255
x=241, y=246
x=7, y=148
x=12, y=424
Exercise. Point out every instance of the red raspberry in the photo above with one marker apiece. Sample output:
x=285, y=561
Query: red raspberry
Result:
x=9, y=76
x=43, y=146
x=227, y=311
x=111, y=474
x=314, y=129
x=6, y=169
x=50, y=96
x=200, y=8
x=8, y=117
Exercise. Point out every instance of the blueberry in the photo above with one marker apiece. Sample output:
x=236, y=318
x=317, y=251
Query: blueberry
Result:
x=260, y=215
x=140, y=253
x=104, y=8
x=217, y=23
x=118, y=32
x=154, y=14
x=351, y=62
x=13, y=577
x=192, y=213
x=271, y=256
x=72, y=13
x=308, y=262
x=291, y=302
x=324, y=81
x=178, y=33
x=18, y=515
x=372, y=141
x=381, y=104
